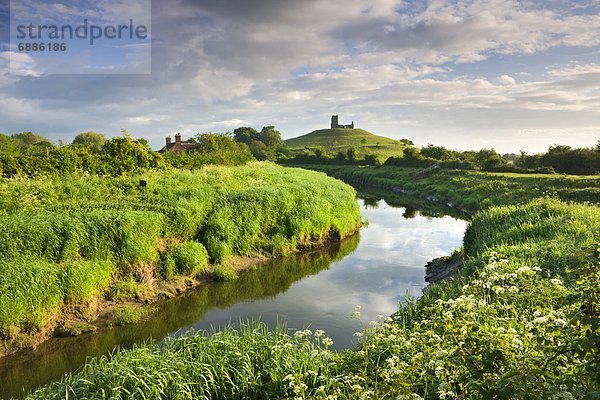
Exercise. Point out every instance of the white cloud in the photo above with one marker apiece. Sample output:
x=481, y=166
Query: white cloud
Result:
x=506, y=80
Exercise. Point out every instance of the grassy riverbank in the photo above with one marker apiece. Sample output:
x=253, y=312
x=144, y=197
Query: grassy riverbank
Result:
x=469, y=190
x=520, y=321
x=68, y=243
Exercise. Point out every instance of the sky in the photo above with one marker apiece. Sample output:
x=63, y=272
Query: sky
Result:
x=512, y=75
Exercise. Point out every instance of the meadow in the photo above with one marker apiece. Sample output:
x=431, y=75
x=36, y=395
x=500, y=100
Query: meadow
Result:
x=67, y=240
x=519, y=321
x=469, y=191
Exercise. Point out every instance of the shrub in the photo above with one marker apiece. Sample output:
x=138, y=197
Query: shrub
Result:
x=190, y=257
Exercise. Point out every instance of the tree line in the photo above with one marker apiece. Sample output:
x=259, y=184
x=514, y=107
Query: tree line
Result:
x=30, y=154
x=558, y=159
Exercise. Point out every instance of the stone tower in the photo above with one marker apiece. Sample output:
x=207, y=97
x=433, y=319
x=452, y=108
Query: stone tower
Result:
x=334, y=122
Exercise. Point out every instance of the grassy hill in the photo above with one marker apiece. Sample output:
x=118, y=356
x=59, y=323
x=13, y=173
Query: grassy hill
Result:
x=336, y=140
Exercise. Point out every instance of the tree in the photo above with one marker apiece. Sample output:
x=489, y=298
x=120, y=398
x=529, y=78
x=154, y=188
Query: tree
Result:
x=245, y=134
x=220, y=148
x=7, y=145
x=527, y=161
x=320, y=152
x=488, y=159
x=411, y=153
x=91, y=140
x=122, y=155
x=572, y=161
x=264, y=145
x=270, y=137
x=352, y=154
x=437, y=153
x=373, y=159
x=24, y=140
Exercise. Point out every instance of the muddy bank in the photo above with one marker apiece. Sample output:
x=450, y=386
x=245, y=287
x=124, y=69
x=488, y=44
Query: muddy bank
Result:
x=443, y=268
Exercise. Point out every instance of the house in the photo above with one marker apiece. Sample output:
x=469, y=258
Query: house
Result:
x=178, y=146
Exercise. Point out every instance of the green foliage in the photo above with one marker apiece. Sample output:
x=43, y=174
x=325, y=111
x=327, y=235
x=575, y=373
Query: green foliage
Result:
x=245, y=134
x=90, y=153
x=438, y=153
x=251, y=362
x=564, y=159
x=168, y=269
x=190, y=257
x=264, y=145
x=25, y=140
x=319, y=157
x=91, y=140
x=469, y=190
x=123, y=155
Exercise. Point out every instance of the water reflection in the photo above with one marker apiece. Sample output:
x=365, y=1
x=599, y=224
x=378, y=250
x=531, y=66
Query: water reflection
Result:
x=318, y=289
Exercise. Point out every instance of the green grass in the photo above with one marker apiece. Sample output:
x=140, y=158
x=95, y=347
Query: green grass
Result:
x=190, y=257
x=469, y=190
x=520, y=321
x=128, y=315
x=64, y=238
x=336, y=140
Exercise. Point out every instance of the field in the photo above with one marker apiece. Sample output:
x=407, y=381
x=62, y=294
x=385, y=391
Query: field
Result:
x=66, y=240
x=340, y=140
x=470, y=191
x=520, y=321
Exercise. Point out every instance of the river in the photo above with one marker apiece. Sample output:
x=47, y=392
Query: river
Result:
x=375, y=269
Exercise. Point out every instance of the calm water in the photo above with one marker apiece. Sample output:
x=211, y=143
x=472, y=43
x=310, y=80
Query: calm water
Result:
x=375, y=269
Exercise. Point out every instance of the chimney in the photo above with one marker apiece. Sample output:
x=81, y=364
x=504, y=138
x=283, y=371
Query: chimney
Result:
x=178, y=138
x=168, y=140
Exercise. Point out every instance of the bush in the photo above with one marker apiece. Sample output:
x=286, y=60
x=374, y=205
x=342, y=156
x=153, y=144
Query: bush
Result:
x=190, y=257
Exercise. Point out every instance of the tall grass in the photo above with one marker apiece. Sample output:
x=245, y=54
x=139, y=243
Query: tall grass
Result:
x=251, y=362
x=29, y=289
x=94, y=229
x=469, y=190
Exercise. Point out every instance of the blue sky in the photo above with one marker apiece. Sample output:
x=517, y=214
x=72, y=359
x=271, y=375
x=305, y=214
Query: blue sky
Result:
x=514, y=75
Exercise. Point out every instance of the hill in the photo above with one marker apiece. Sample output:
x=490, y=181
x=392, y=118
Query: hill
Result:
x=336, y=140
